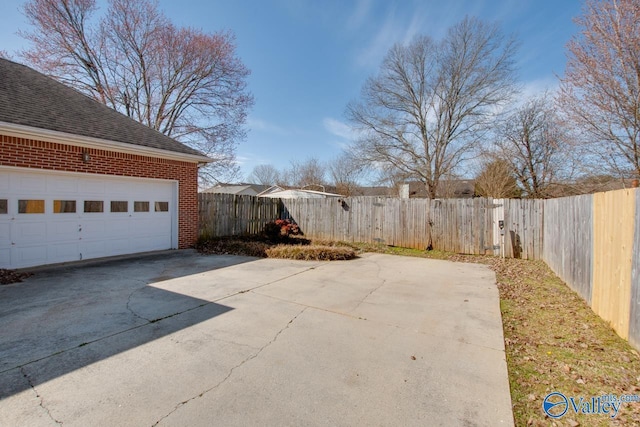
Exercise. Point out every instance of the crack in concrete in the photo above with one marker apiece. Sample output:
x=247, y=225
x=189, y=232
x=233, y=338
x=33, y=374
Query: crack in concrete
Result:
x=340, y=313
x=373, y=290
x=40, y=398
x=129, y=307
x=368, y=295
x=231, y=371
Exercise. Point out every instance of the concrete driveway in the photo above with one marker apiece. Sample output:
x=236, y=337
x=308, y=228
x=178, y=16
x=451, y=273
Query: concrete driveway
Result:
x=180, y=339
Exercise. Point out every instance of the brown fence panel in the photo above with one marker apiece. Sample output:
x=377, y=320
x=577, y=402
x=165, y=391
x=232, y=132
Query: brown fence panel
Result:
x=568, y=241
x=523, y=221
x=453, y=225
x=230, y=215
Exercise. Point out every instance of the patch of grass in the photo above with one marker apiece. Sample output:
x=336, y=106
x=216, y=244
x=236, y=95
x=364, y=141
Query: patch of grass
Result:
x=311, y=252
x=555, y=342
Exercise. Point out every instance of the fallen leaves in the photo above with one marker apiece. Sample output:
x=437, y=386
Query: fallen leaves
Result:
x=12, y=276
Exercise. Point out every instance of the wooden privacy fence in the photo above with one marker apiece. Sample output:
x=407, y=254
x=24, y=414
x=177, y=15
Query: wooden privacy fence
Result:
x=468, y=226
x=231, y=215
x=452, y=225
x=592, y=242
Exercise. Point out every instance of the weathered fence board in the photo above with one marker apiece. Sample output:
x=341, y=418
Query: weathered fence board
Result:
x=568, y=241
x=227, y=214
x=523, y=221
x=614, y=221
x=634, y=318
x=454, y=225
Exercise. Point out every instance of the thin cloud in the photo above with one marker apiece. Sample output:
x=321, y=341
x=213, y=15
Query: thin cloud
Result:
x=396, y=26
x=359, y=15
x=538, y=87
x=338, y=128
x=264, y=126
x=389, y=33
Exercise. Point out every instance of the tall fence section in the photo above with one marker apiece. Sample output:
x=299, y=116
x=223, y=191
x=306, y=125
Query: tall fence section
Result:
x=592, y=242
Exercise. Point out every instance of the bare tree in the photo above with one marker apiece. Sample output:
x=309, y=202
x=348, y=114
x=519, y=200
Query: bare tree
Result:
x=533, y=141
x=182, y=82
x=600, y=91
x=264, y=175
x=310, y=172
x=345, y=172
x=497, y=180
x=431, y=101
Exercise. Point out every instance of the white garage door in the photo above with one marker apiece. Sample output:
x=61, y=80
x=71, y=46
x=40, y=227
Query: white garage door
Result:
x=48, y=217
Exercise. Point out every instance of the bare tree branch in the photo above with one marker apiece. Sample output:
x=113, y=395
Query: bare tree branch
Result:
x=535, y=143
x=264, y=175
x=600, y=91
x=182, y=82
x=431, y=102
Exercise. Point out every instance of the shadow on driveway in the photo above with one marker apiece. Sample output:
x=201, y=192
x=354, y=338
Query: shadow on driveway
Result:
x=68, y=317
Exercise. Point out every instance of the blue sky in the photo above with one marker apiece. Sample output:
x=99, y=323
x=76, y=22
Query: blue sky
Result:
x=309, y=58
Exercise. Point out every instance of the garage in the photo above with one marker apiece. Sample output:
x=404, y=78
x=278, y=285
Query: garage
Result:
x=50, y=217
x=79, y=180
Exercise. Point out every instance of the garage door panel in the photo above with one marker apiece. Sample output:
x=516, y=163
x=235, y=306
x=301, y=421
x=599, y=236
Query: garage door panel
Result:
x=23, y=256
x=118, y=227
x=63, y=185
x=143, y=227
x=60, y=233
x=122, y=188
x=5, y=235
x=119, y=246
x=63, y=230
x=92, y=248
x=5, y=256
x=91, y=186
x=93, y=228
x=4, y=183
x=30, y=185
x=62, y=252
x=149, y=243
x=28, y=232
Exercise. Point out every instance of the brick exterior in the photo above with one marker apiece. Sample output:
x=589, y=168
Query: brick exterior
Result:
x=35, y=154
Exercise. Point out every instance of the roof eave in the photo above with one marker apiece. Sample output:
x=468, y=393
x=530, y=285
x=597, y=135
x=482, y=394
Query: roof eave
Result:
x=30, y=132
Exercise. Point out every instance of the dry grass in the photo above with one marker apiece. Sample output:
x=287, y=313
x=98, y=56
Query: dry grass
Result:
x=311, y=252
x=295, y=248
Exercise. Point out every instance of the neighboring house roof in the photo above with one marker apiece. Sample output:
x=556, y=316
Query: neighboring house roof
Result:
x=453, y=188
x=447, y=189
x=30, y=98
x=238, y=189
x=377, y=191
x=297, y=194
x=589, y=185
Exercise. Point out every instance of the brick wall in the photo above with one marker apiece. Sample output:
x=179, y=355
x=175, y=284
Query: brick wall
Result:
x=34, y=154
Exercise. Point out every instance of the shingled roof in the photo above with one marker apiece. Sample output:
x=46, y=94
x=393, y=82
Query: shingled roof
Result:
x=30, y=98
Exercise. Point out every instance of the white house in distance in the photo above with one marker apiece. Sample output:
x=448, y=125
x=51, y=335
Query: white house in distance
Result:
x=237, y=189
x=281, y=193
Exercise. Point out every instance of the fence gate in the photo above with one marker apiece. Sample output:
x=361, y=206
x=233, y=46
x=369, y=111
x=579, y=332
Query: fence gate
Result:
x=497, y=215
